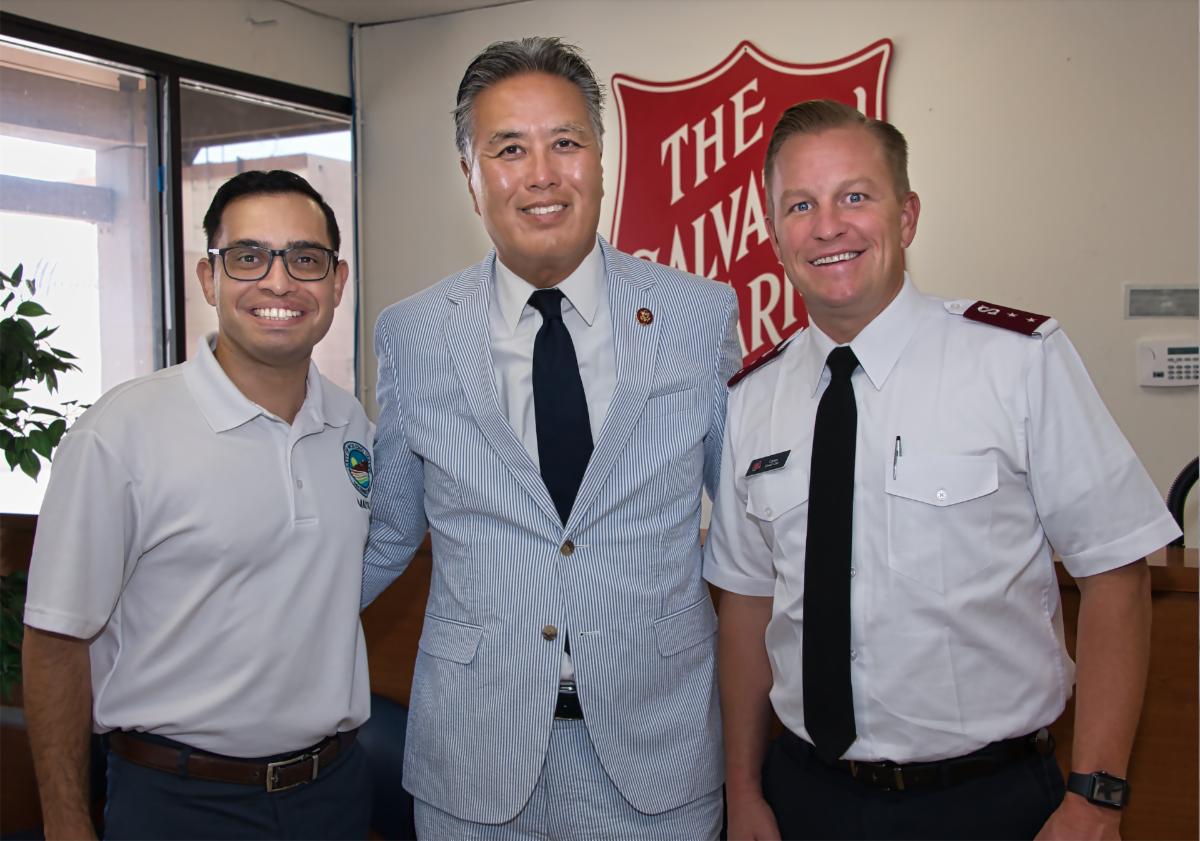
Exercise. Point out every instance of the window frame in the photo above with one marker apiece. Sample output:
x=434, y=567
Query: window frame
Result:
x=168, y=70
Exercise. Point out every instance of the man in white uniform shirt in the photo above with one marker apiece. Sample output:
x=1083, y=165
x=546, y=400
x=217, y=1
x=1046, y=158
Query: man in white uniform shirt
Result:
x=195, y=579
x=900, y=610
x=550, y=415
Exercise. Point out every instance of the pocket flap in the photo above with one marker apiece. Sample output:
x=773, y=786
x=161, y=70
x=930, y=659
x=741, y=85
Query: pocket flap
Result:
x=942, y=480
x=449, y=640
x=694, y=624
x=769, y=495
x=658, y=405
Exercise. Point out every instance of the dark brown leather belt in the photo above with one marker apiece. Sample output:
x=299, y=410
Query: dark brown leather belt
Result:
x=902, y=776
x=278, y=775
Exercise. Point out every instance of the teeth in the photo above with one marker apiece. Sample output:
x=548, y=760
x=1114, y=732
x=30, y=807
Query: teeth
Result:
x=276, y=313
x=836, y=258
x=542, y=211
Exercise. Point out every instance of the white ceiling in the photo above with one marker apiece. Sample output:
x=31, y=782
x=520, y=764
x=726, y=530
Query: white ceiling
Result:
x=381, y=11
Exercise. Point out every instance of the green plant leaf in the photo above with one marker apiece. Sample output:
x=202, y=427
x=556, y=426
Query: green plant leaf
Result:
x=40, y=441
x=18, y=273
x=31, y=309
x=30, y=464
x=8, y=299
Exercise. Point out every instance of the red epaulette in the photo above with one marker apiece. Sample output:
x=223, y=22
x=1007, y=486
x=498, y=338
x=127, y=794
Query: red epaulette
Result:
x=761, y=361
x=1010, y=318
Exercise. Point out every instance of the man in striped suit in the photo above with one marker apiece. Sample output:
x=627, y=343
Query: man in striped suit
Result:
x=550, y=415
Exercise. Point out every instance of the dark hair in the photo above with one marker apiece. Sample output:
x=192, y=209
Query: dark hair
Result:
x=256, y=182
x=505, y=59
x=818, y=115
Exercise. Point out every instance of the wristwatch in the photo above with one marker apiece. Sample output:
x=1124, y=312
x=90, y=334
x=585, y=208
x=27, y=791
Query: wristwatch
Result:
x=1101, y=788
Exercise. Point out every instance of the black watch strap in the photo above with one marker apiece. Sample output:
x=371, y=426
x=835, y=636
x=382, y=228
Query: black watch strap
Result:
x=1100, y=788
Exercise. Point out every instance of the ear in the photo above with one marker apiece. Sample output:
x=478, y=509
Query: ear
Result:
x=774, y=237
x=466, y=171
x=910, y=210
x=340, y=274
x=204, y=272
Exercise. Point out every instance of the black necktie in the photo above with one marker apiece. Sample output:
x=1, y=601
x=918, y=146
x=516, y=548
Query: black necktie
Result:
x=559, y=404
x=828, y=700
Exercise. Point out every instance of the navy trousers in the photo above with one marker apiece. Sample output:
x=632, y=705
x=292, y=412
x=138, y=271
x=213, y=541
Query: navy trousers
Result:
x=812, y=800
x=147, y=803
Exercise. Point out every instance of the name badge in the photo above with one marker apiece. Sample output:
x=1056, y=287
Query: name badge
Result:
x=764, y=464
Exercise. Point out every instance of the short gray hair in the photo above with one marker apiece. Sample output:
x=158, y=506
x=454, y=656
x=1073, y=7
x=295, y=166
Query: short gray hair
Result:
x=505, y=59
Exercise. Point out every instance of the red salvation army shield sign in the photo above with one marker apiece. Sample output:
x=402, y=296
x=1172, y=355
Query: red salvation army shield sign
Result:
x=689, y=189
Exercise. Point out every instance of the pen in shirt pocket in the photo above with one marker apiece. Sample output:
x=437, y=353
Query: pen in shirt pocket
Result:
x=896, y=453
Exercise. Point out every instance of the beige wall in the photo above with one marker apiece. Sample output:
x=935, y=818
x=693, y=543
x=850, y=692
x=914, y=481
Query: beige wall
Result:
x=1054, y=145
x=263, y=37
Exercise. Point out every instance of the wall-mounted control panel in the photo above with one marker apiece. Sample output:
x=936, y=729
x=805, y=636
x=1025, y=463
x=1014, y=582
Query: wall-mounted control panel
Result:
x=1168, y=362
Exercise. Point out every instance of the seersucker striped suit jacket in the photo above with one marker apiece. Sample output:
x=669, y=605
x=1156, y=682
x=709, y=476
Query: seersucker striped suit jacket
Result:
x=641, y=624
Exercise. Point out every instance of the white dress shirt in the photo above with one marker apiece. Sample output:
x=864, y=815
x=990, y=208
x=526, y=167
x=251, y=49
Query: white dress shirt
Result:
x=514, y=325
x=979, y=450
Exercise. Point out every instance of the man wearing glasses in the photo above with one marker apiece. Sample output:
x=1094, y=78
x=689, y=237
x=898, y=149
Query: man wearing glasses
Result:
x=195, y=581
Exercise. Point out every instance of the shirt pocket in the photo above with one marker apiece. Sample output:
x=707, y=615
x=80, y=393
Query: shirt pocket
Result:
x=771, y=495
x=939, y=520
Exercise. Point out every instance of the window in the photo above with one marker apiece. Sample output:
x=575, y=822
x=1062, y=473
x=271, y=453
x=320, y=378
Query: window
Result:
x=77, y=210
x=109, y=157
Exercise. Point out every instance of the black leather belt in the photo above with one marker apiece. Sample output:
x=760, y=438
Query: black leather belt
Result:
x=568, y=706
x=903, y=776
x=279, y=775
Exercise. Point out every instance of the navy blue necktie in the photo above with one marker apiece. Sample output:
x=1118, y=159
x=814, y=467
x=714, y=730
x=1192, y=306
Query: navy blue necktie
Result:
x=828, y=699
x=559, y=404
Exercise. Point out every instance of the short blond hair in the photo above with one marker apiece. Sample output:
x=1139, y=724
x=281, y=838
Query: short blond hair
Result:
x=818, y=115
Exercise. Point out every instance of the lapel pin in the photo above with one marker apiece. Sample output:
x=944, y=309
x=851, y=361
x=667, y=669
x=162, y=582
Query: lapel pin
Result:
x=644, y=316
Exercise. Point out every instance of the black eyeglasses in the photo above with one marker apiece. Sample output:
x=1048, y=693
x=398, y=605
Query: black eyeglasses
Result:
x=252, y=262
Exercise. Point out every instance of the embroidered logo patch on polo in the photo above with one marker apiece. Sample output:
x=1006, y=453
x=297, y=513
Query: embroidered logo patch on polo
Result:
x=358, y=465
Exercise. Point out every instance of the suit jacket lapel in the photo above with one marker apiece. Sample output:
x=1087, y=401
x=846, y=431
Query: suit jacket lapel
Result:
x=469, y=345
x=630, y=288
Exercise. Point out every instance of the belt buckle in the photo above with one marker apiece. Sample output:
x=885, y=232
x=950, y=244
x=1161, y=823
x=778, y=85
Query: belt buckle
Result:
x=273, y=769
x=897, y=774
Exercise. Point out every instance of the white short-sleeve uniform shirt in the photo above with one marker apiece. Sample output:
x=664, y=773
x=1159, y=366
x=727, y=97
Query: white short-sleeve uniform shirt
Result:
x=979, y=452
x=214, y=552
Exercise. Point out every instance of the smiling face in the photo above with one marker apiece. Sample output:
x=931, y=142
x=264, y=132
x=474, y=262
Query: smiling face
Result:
x=838, y=226
x=536, y=177
x=276, y=321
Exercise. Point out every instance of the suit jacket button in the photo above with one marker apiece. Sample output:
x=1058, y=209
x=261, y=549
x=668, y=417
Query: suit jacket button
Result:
x=568, y=548
x=549, y=633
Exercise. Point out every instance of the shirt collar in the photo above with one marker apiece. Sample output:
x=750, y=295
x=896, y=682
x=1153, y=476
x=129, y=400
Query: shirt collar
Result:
x=877, y=346
x=581, y=288
x=225, y=407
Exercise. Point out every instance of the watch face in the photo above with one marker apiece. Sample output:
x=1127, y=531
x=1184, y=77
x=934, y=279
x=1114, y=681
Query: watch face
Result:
x=1100, y=788
x=1108, y=789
